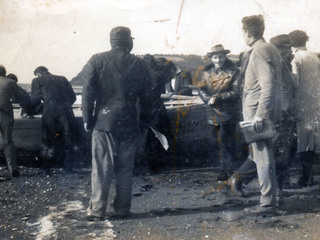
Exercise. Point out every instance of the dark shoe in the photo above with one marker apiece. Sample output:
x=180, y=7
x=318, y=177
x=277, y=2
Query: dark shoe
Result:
x=236, y=187
x=261, y=209
x=15, y=173
x=279, y=201
x=92, y=218
x=121, y=214
x=222, y=177
x=302, y=182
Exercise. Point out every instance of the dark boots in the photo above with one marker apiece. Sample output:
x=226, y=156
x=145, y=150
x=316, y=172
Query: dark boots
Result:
x=306, y=178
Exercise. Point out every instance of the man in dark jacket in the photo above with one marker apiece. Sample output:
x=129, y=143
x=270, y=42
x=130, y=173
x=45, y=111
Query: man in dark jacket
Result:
x=285, y=144
x=179, y=84
x=151, y=154
x=57, y=120
x=26, y=106
x=220, y=92
x=114, y=81
x=8, y=90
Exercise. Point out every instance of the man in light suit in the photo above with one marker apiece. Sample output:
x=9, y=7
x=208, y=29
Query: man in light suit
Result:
x=260, y=102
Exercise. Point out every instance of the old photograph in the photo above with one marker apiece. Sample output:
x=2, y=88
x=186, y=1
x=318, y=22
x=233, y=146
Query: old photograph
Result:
x=159, y=119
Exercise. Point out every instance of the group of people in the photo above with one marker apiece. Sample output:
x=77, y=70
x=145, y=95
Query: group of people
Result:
x=265, y=89
x=54, y=96
x=277, y=85
x=121, y=98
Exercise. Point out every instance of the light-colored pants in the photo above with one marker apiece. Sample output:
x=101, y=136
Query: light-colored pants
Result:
x=111, y=154
x=261, y=157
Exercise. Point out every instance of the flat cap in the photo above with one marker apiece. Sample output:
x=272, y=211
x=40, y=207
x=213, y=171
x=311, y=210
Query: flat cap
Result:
x=119, y=33
x=281, y=40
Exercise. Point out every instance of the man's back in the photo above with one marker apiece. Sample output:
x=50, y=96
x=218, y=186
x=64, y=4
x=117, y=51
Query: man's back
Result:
x=8, y=88
x=52, y=88
x=113, y=80
x=261, y=94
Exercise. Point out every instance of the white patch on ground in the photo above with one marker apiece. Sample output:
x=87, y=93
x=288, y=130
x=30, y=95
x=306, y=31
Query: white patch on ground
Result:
x=46, y=228
x=58, y=219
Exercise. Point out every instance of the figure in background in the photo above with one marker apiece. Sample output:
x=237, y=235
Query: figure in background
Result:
x=57, y=96
x=220, y=92
x=285, y=143
x=152, y=155
x=306, y=67
x=26, y=108
x=179, y=84
x=8, y=90
x=260, y=103
x=115, y=82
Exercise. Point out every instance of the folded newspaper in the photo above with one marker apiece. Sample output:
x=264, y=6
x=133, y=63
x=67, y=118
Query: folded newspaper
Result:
x=162, y=138
x=251, y=135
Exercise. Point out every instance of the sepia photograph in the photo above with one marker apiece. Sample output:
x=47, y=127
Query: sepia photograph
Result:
x=159, y=120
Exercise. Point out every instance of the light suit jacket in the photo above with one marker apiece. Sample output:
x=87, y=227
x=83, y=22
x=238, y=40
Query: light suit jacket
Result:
x=261, y=91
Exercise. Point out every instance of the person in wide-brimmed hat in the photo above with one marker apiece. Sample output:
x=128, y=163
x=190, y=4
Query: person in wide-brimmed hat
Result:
x=217, y=49
x=219, y=90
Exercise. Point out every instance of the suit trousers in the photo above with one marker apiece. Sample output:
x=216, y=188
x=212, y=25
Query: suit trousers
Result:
x=6, y=126
x=111, y=155
x=260, y=161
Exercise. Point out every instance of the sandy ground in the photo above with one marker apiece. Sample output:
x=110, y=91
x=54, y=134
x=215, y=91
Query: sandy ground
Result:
x=185, y=204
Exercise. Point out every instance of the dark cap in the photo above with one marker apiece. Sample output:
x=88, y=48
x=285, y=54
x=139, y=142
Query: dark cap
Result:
x=119, y=33
x=217, y=49
x=40, y=70
x=281, y=40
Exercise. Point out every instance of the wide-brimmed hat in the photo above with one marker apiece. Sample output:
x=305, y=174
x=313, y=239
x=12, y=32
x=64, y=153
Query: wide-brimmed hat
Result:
x=281, y=40
x=217, y=49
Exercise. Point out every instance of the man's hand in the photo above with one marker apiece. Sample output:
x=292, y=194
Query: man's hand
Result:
x=87, y=128
x=258, y=124
x=212, y=100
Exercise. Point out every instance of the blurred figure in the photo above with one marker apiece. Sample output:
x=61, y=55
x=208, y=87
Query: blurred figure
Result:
x=285, y=143
x=306, y=66
x=26, y=108
x=221, y=93
x=260, y=102
x=8, y=90
x=116, y=83
x=152, y=155
x=179, y=83
x=57, y=96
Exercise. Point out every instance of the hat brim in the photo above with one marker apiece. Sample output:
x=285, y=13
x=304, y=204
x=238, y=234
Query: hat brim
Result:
x=210, y=54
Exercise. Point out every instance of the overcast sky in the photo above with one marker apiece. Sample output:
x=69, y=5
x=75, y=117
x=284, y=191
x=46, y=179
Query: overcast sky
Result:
x=63, y=34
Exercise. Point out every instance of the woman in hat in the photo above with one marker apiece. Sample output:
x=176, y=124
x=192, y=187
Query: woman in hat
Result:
x=219, y=90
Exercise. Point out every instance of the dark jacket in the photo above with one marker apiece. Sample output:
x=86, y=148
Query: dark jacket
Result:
x=113, y=82
x=160, y=74
x=55, y=92
x=182, y=80
x=8, y=90
x=223, y=85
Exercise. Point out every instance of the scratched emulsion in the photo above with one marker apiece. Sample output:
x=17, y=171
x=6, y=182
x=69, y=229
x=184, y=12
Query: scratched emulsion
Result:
x=180, y=113
x=180, y=13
